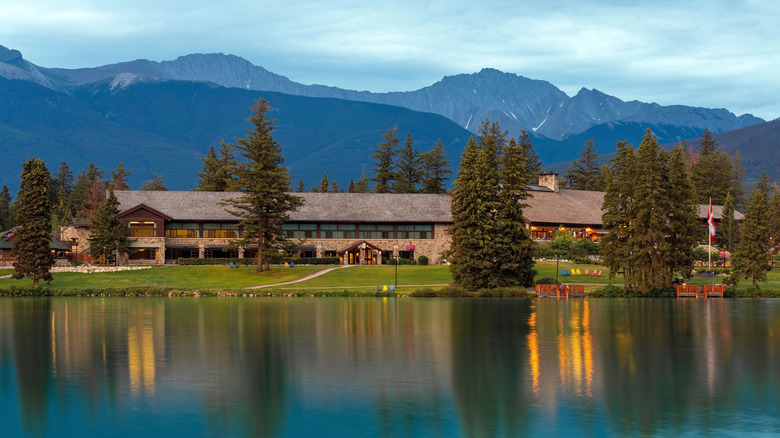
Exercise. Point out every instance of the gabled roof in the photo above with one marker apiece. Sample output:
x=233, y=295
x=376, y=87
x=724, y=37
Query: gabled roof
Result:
x=7, y=239
x=319, y=207
x=142, y=206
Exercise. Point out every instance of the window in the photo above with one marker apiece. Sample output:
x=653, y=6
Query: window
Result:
x=142, y=229
x=220, y=231
x=299, y=231
x=375, y=231
x=184, y=230
x=415, y=231
x=338, y=231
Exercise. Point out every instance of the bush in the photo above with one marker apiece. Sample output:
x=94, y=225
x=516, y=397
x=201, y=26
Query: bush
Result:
x=503, y=292
x=422, y=260
x=545, y=280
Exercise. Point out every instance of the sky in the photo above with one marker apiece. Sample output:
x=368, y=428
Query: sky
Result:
x=714, y=54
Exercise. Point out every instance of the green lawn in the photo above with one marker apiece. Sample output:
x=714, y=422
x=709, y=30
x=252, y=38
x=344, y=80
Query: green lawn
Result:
x=372, y=276
x=181, y=277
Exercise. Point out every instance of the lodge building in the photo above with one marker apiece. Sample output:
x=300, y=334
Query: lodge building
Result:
x=358, y=228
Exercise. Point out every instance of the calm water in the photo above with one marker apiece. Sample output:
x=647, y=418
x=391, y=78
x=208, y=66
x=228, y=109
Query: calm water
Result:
x=329, y=367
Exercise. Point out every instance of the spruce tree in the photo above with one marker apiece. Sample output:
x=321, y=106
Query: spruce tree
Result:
x=97, y=195
x=712, y=174
x=83, y=187
x=682, y=215
x=384, y=162
x=729, y=227
x=264, y=202
x=474, y=206
x=585, y=173
x=7, y=219
x=514, y=257
x=351, y=187
x=156, y=184
x=409, y=171
x=210, y=177
x=650, y=255
x=753, y=259
x=533, y=165
x=361, y=186
x=32, y=237
x=301, y=187
x=108, y=234
x=436, y=167
x=324, y=184
x=119, y=178
x=618, y=213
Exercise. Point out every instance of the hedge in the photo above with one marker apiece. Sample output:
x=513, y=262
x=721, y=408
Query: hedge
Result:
x=252, y=261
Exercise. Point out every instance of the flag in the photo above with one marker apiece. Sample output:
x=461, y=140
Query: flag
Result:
x=711, y=223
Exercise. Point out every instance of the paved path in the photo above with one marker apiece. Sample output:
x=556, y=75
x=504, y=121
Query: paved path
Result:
x=304, y=278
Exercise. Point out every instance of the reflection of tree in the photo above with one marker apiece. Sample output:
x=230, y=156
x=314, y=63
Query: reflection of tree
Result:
x=33, y=339
x=243, y=353
x=490, y=362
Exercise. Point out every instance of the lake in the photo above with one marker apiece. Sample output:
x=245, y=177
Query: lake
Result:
x=388, y=367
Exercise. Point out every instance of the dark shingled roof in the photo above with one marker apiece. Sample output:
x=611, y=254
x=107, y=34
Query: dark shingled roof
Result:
x=562, y=207
x=319, y=207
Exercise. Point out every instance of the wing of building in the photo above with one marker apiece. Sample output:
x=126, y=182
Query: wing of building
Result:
x=364, y=228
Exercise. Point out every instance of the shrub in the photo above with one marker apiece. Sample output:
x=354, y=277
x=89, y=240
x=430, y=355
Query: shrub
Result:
x=545, y=280
x=422, y=260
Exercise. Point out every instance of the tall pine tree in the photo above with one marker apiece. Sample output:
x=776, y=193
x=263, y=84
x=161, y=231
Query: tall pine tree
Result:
x=384, y=162
x=264, y=202
x=619, y=212
x=32, y=237
x=585, y=173
x=682, y=214
x=436, y=167
x=409, y=169
x=108, y=235
x=753, y=258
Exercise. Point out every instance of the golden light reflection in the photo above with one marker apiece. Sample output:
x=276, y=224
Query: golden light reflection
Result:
x=533, y=350
x=140, y=356
x=624, y=346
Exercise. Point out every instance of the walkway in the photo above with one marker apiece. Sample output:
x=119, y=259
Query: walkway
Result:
x=298, y=280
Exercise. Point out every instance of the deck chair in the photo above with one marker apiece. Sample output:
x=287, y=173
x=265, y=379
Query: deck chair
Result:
x=392, y=287
x=586, y=272
x=231, y=264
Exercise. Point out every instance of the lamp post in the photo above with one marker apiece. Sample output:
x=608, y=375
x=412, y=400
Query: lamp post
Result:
x=396, y=257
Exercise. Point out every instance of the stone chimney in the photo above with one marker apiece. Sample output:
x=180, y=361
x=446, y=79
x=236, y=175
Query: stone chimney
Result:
x=549, y=180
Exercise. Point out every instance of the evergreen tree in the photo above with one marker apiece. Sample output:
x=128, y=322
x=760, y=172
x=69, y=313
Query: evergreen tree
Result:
x=585, y=173
x=361, y=186
x=324, y=184
x=533, y=165
x=7, y=219
x=60, y=193
x=619, y=212
x=119, y=178
x=650, y=230
x=384, y=162
x=753, y=258
x=156, y=184
x=334, y=187
x=264, y=202
x=83, y=187
x=32, y=236
x=729, y=231
x=97, y=195
x=351, y=187
x=108, y=235
x=301, y=187
x=712, y=174
x=475, y=203
x=682, y=215
x=217, y=173
x=436, y=167
x=210, y=177
x=514, y=255
x=409, y=172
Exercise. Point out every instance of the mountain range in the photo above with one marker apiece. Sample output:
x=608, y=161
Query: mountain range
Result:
x=162, y=116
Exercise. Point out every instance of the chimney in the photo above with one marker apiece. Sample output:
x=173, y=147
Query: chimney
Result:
x=549, y=180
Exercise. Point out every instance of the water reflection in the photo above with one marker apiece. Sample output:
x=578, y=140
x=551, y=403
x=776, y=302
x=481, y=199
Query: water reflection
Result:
x=387, y=367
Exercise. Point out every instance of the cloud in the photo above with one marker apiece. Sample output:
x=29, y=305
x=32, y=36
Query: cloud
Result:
x=713, y=53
